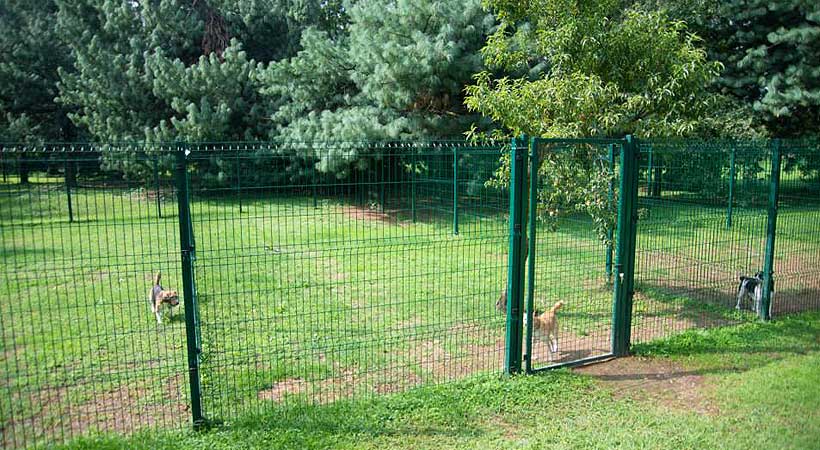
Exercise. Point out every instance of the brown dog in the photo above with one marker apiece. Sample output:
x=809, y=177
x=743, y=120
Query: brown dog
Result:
x=546, y=324
x=162, y=300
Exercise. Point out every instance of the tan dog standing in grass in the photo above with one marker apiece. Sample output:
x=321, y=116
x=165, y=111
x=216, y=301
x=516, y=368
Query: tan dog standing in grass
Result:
x=546, y=324
x=162, y=300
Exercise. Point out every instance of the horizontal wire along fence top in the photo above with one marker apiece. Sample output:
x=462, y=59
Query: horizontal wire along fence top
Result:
x=114, y=146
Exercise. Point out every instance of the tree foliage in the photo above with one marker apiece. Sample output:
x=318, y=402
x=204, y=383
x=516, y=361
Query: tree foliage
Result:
x=579, y=68
x=352, y=70
x=178, y=70
x=568, y=68
x=769, y=50
x=397, y=71
x=773, y=61
x=30, y=55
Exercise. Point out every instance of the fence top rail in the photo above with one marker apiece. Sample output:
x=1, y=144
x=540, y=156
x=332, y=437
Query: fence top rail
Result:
x=374, y=147
x=572, y=141
x=160, y=147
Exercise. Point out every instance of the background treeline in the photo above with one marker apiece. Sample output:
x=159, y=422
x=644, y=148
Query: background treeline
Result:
x=382, y=70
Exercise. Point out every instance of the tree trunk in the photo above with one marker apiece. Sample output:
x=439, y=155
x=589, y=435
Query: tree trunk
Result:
x=657, y=181
x=23, y=170
x=71, y=173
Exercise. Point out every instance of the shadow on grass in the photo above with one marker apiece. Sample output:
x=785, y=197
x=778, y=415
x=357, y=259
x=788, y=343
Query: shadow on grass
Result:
x=704, y=307
x=707, y=307
x=792, y=301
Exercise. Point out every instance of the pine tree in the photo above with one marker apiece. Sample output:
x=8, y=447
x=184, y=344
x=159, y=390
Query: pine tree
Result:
x=177, y=70
x=773, y=61
x=30, y=55
x=397, y=70
x=769, y=51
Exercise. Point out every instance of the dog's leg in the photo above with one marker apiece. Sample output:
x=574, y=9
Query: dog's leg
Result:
x=158, y=313
x=741, y=292
x=758, y=298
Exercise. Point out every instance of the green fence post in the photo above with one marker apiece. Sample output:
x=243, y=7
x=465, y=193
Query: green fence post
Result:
x=156, y=186
x=186, y=240
x=67, y=178
x=314, y=188
x=382, y=179
x=625, y=258
x=413, y=183
x=533, y=198
x=515, y=274
x=771, y=230
x=731, y=189
x=238, y=180
x=611, y=198
x=455, y=190
x=649, y=171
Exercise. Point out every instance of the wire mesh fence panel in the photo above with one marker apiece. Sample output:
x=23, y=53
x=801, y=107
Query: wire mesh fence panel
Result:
x=333, y=271
x=573, y=253
x=343, y=270
x=701, y=225
x=80, y=245
x=797, y=243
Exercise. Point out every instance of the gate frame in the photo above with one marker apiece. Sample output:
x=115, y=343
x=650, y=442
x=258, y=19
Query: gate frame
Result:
x=523, y=248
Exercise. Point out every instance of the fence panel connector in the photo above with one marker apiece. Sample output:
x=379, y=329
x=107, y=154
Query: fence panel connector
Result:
x=186, y=241
x=625, y=258
x=517, y=248
x=764, y=309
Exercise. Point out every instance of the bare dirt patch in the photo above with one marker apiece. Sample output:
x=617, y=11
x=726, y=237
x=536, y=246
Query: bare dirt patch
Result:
x=362, y=213
x=278, y=391
x=654, y=380
x=123, y=409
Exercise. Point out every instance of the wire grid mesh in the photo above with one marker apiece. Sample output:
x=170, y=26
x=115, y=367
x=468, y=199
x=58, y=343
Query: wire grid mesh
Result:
x=702, y=224
x=571, y=254
x=335, y=271
x=81, y=351
x=316, y=287
x=797, y=242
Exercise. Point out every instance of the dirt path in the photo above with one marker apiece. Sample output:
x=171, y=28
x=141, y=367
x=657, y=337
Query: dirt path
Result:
x=653, y=380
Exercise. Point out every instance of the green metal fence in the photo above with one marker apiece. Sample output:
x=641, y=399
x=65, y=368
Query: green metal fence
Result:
x=314, y=273
x=712, y=211
x=308, y=274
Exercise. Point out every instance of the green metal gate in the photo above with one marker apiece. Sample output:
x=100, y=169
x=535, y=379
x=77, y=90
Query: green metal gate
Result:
x=558, y=253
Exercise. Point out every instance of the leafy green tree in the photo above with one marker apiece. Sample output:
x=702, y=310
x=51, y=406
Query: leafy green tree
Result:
x=569, y=68
x=591, y=69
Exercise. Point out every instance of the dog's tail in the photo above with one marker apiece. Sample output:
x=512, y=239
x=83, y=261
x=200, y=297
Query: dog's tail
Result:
x=557, y=306
x=156, y=278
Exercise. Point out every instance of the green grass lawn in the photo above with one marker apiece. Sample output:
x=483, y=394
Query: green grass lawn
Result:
x=762, y=380
x=302, y=304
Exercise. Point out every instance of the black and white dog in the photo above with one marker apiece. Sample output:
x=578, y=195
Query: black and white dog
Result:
x=752, y=288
